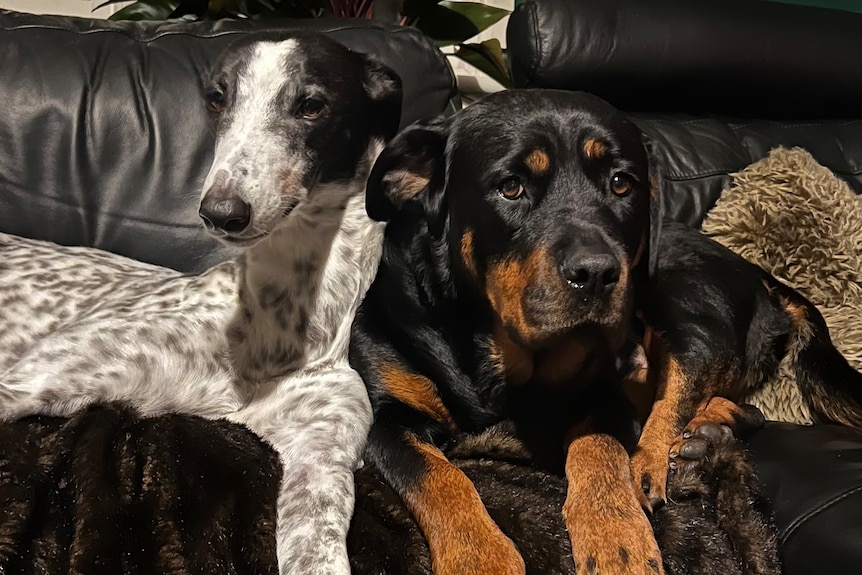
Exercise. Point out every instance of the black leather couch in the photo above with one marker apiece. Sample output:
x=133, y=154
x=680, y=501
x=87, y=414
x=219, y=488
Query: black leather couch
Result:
x=717, y=84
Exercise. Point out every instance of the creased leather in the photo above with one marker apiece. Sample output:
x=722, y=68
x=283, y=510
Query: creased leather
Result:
x=698, y=153
x=814, y=477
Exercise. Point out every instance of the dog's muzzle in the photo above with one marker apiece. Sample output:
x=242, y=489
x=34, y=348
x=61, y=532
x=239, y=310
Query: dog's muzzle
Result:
x=591, y=275
x=222, y=211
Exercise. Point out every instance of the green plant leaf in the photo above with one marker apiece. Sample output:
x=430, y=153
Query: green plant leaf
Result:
x=487, y=57
x=450, y=23
x=147, y=10
x=481, y=16
x=445, y=26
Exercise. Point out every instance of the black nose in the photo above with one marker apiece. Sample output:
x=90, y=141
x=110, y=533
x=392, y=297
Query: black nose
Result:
x=229, y=214
x=593, y=274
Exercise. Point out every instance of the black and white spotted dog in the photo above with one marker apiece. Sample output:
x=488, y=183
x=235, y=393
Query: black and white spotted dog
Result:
x=261, y=340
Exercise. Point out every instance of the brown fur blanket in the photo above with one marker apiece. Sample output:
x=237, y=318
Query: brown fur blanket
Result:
x=106, y=492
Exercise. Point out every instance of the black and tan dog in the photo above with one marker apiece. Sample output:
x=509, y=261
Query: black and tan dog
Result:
x=519, y=231
x=716, y=328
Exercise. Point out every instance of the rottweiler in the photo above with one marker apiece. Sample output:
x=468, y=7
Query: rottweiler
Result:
x=519, y=234
x=716, y=327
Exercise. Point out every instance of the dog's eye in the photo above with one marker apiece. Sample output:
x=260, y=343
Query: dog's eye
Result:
x=621, y=184
x=215, y=99
x=309, y=108
x=511, y=188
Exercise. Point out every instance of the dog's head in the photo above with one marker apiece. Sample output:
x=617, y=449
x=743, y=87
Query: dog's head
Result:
x=543, y=198
x=291, y=111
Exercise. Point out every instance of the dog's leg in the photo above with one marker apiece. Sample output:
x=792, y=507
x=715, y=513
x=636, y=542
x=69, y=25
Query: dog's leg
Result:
x=318, y=423
x=157, y=369
x=609, y=530
x=462, y=537
x=672, y=407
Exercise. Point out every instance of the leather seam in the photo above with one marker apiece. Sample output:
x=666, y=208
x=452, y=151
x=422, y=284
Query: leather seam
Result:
x=168, y=33
x=659, y=121
x=784, y=126
x=692, y=177
x=794, y=526
x=100, y=214
x=716, y=173
x=538, y=57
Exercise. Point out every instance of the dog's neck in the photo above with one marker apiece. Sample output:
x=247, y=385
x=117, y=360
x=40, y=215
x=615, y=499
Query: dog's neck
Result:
x=301, y=285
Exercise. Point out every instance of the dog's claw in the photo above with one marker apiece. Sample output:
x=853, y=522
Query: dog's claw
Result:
x=655, y=502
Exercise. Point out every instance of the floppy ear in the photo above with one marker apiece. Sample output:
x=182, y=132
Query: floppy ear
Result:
x=656, y=205
x=383, y=86
x=411, y=169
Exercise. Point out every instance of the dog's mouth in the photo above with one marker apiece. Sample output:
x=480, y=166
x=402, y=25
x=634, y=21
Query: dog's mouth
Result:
x=550, y=314
x=241, y=241
x=244, y=240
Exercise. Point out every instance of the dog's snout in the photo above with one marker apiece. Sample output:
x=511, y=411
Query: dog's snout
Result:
x=226, y=213
x=593, y=273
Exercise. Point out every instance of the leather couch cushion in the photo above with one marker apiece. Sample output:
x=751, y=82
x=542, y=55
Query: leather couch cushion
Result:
x=747, y=58
x=104, y=139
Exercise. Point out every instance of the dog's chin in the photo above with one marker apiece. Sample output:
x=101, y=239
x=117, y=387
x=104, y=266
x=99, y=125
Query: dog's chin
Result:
x=244, y=241
x=238, y=241
x=546, y=328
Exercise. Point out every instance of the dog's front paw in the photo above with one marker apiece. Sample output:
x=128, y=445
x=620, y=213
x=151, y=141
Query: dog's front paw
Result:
x=710, y=429
x=616, y=545
x=482, y=552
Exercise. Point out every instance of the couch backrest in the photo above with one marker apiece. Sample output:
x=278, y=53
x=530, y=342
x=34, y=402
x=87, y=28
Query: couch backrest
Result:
x=104, y=139
x=715, y=83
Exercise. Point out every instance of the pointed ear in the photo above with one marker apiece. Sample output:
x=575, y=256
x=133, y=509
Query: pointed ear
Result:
x=383, y=86
x=656, y=203
x=411, y=169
